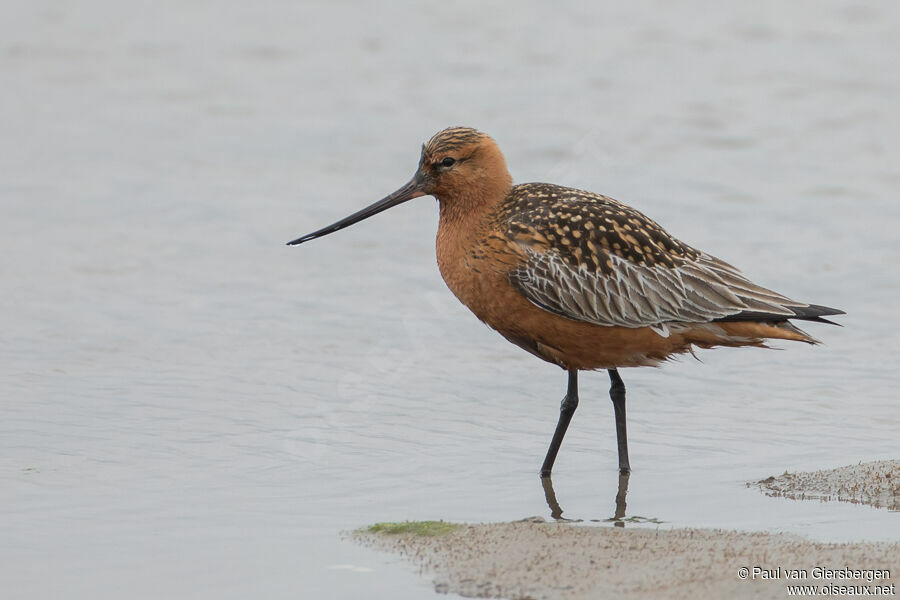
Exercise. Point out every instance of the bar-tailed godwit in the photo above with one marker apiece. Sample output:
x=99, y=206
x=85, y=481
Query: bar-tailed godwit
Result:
x=579, y=279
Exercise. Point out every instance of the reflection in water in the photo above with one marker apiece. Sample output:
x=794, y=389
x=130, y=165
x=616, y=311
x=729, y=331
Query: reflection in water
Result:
x=555, y=510
x=620, y=500
x=618, y=519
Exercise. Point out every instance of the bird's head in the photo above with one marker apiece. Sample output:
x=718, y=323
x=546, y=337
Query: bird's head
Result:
x=458, y=166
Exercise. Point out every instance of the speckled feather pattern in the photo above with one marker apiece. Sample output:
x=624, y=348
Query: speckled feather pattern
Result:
x=593, y=259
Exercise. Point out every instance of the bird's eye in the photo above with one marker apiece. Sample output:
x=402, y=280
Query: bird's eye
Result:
x=448, y=161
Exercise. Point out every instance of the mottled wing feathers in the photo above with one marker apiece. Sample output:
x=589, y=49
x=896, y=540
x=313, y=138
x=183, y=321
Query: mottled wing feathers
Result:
x=593, y=259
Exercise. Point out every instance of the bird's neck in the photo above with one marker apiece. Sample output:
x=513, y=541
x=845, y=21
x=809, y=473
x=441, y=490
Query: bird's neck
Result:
x=475, y=201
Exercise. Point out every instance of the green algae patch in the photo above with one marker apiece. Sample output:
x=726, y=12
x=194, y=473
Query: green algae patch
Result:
x=423, y=528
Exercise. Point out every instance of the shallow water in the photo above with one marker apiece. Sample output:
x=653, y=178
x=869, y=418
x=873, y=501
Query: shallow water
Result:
x=191, y=409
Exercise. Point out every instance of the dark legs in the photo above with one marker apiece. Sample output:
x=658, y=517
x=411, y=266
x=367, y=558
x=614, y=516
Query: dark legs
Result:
x=566, y=410
x=617, y=395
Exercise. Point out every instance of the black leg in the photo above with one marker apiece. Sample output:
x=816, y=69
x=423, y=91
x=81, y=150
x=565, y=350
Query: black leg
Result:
x=566, y=410
x=617, y=395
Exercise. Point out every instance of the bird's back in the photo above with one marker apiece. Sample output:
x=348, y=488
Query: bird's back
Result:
x=586, y=229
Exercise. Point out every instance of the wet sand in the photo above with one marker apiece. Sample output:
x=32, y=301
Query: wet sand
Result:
x=536, y=559
x=874, y=483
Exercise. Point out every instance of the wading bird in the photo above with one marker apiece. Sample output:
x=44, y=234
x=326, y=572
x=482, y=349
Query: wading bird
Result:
x=579, y=279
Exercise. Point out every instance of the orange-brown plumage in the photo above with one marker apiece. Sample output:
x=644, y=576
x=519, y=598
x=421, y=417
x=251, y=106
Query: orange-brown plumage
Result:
x=488, y=228
x=579, y=279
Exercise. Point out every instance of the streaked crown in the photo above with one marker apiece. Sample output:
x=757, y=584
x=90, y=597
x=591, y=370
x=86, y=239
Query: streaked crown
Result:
x=453, y=138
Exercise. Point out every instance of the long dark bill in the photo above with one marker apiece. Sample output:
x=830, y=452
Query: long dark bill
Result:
x=413, y=189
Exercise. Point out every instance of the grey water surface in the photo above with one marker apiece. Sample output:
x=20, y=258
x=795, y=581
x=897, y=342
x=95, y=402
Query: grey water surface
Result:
x=190, y=409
